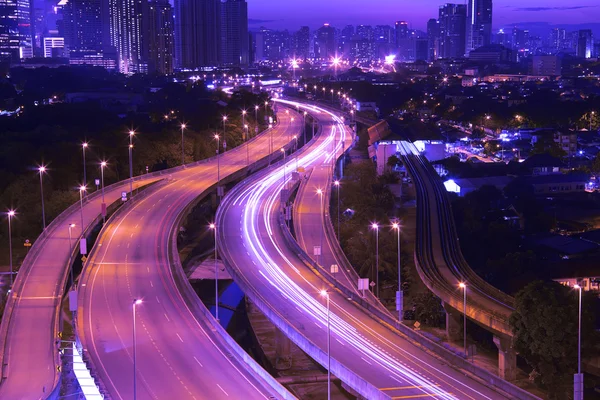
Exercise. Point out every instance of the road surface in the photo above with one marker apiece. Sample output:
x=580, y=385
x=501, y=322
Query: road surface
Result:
x=275, y=277
x=178, y=355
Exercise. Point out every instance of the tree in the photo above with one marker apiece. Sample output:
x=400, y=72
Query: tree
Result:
x=595, y=167
x=545, y=144
x=545, y=327
x=428, y=309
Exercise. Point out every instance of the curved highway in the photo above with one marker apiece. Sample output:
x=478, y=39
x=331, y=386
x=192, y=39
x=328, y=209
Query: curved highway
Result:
x=370, y=357
x=179, y=355
x=440, y=262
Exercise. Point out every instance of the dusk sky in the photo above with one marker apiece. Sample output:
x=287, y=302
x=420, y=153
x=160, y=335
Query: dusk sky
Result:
x=290, y=14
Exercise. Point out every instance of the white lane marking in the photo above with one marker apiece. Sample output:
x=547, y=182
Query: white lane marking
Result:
x=367, y=361
x=227, y=394
x=157, y=299
x=166, y=317
x=199, y=363
x=179, y=337
x=151, y=284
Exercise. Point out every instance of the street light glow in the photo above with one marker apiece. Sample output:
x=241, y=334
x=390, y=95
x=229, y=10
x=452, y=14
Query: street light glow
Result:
x=137, y=302
x=324, y=293
x=212, y=226
x=42, y=169
x=577, y=286
x=11, y=213
x=319, y=192
x=183, y=126
x=374, y=225
x=72, y=226
x=131, y=133
x=82, y=188
x=336, y=183
x=462, y=285
x=85, y=144
x=395, y=225
x=103, y=164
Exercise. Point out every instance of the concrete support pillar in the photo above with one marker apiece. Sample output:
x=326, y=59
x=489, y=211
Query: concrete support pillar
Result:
x=507, y=358
x=454, y=323
x=283, y=354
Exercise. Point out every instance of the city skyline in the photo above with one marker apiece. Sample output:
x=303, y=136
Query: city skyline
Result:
x=506, y=12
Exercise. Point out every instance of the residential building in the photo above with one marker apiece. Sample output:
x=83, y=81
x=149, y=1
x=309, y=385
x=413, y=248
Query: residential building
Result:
x=325, y=44
x=479, y=24
x=585, y=43
x=160, y=37
x=127, y=22
x=54, y=47
x=401, y=31
x=452, y=18
x=433, y=36
x=16, y=30
x=234, y=32
x=545, y=65
x=302, y=43
x=197, y=33
x=491, y=54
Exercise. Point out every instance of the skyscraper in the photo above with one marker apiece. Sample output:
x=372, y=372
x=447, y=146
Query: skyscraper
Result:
x=234, y=32
x=16, y=30
x=585, y=43
x=302, y=43
x=128, y=19
x=433, y=36
x=452, y=30
x=160, y=37
x=401, y=31
x=479, y=24
x=325, y=46
x=197, y=33
x=86, y=30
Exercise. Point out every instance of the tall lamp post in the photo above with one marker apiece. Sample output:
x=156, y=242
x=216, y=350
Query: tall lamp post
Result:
x=304, y=127
x=131, y=133
x=325, y=294
x=102, y=166
x=224, y=130
x=183, y=126
x=41, y=171
x=399, y=297
x=214, y=228
x=11, y=214
x=256, y=119
x=463, y=286
x=591, y=116
x=71, y=226
x=84, y=146
x=336, y=183
x=579, y=377
x=320, y=193
x=136, y=302
x=82, y=190
x=375, y=226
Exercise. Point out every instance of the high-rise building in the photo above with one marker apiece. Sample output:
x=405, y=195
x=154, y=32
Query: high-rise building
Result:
x=325, y=46
x=128, y=19
x=86, y=30
x=401, y=31
x=16, y=30
x=345, y=41
x=585, y=43
x=452, y=20
x=383, y=34
x=197, y=33
x=558, y=39
x=160, y=39
x=433, y=36
x=272, y=45
x=53, y=47
x=479, y=24
x=302, y=43
x=234, y=32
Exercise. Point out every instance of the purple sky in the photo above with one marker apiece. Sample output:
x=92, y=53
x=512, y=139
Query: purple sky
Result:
x=291, y=14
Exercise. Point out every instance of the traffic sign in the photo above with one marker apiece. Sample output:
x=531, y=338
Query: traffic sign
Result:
x=334, y=269
x=123, y=196
x=363, y=284
x=417, y=325
x=27, y=243
x=316, y=250
x=83, y=259
x=97, y=182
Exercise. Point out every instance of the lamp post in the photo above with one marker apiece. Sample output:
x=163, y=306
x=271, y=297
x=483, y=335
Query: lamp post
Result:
x=320, y=193
x=82, y=190
x=183, y=126
x=41, y=171
x=71, y=226
x=463, y=286
x=326, y=295
x=247, y=146
x=136, y=302
x=131, y=133
x=243, y=117
x=214, y=228
x=399, y=299
x=304, y=127
x=579, y=288
x=591, y=116
x=375, y=226
x=224, y=129
x=336, y=183
x=84, y=146
x=256, y=119
x=11, y=214
x=102, y=166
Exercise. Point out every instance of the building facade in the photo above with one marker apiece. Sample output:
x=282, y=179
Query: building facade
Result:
x=160, y=37
x=197, y=33
x=234, y=32
x=128, y=19
x=479, y=24
x=16, y=30
x=452, y=19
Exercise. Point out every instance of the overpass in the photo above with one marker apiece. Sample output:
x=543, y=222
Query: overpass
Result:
x=368, y=354
x=442, y=267
x=182, y=351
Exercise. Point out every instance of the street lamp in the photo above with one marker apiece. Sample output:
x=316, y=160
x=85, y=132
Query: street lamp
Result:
x=463, y=286
x=214, y=228
x=136, y=302
x=183, y=126
x=399, y=297
x=41, y=171
x=304, y=127
x=82, y=190
x=591, y=116
x=578, y=287
x=336, y=183
x=84, y=146
x=71, y=226
x=326, y=295
x=320, y=193
x=11, y=214
x=256, y=119
x=224, y=129
x=131, y=133
x=103, y=165
x=375, y=226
